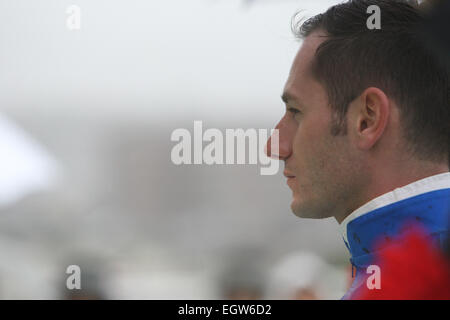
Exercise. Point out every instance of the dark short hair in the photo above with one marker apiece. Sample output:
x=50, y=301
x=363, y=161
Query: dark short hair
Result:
x=393, y=59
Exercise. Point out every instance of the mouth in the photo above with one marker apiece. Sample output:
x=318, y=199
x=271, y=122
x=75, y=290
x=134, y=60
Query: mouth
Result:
x=288, y=174
x=290, y=179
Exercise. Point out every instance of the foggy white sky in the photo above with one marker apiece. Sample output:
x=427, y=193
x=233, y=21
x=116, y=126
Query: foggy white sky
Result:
x=164, y=57
x=120, y=195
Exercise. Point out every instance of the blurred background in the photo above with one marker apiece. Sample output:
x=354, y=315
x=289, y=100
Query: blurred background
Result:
x=86, y=176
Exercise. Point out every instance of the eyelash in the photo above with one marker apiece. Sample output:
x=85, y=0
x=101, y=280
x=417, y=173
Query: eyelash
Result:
x=293, y=111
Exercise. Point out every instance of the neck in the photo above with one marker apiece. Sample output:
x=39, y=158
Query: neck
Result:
x=383, y=181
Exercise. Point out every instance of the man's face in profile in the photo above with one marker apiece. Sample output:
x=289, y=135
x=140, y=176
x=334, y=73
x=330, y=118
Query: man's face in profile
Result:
x=317, y=164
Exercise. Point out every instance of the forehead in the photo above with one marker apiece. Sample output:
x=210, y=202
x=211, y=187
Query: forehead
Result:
x=300, y=73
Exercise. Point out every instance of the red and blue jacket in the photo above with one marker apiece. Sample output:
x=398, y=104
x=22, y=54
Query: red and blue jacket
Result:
x=380, y=224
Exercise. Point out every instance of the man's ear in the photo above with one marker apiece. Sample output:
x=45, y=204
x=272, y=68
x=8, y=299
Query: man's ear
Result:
x=371, y=117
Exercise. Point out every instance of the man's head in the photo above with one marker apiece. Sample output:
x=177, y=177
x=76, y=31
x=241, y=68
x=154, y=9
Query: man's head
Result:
x=366, y=110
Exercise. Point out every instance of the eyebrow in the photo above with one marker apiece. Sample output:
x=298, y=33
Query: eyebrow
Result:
x=286, y=97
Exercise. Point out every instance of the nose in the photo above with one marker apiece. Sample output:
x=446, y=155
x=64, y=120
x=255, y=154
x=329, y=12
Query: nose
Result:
x=279, y=144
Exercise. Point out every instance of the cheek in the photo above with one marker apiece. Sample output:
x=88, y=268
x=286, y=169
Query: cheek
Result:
x=308, y=141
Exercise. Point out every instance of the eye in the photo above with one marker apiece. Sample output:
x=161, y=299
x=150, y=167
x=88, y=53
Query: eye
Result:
x=294, y=111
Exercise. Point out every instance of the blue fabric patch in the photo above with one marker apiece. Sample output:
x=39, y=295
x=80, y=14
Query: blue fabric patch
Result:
x=379, y=227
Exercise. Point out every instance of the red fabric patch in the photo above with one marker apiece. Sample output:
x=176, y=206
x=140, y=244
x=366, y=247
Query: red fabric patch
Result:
x=411, y=269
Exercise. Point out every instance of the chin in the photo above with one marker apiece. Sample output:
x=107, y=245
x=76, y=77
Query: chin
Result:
x=299, y=210
x=303, y=210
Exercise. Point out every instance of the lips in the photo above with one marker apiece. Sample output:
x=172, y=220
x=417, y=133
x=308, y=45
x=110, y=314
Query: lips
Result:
x=290, y=179
x=288, y=174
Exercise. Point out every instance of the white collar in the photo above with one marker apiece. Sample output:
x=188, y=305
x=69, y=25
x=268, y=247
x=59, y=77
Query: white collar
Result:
x=432, y=183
